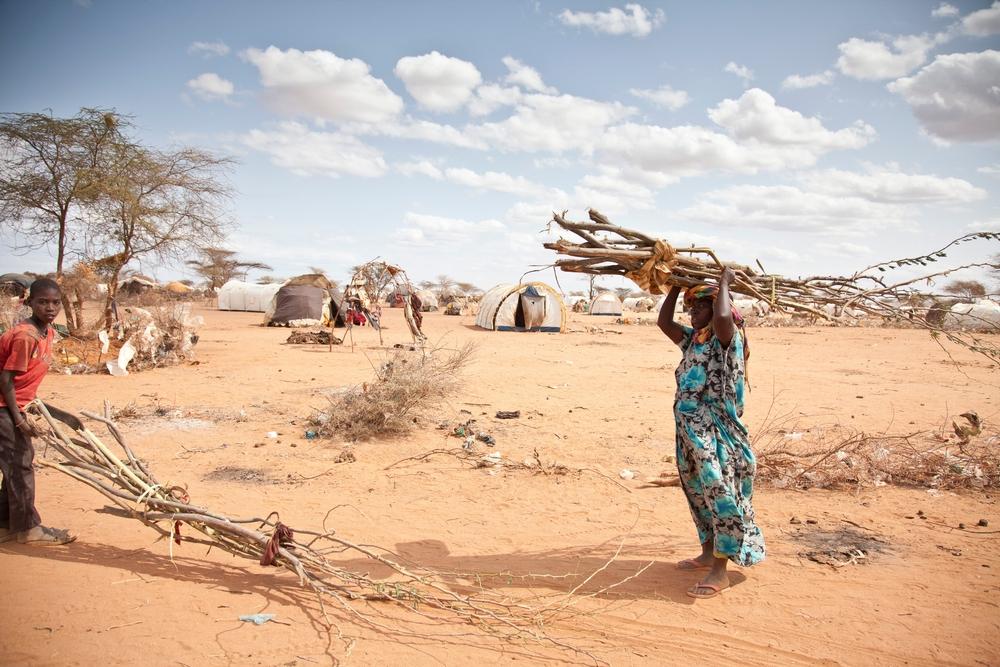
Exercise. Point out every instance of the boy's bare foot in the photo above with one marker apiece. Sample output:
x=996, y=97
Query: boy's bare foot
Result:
x=44, y=536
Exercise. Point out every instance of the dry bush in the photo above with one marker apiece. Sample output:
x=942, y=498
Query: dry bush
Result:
x=839, y=456
x=410, y=383
x=12, y=311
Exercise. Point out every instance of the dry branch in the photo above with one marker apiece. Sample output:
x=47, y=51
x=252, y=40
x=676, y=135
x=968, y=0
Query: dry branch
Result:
x=608, y=249
x=125, y=480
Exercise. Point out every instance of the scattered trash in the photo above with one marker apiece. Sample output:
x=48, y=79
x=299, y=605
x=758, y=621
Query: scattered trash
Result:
x=257, y=619
x=795, y=520
x=311, y=435
x=812, y=522
x=508, y=414
x=469, y=443
x=273, y=435
x=953, y=552
x=961, y=526
x=490, y=460
x=486, y=438
x=983, y=522
x=795, y=435
x=626, y=474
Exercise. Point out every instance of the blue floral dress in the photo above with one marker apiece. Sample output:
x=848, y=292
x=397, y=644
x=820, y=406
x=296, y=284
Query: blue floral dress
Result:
x=714, y=459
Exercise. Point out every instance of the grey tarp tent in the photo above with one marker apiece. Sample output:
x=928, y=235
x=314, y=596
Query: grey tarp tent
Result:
x=295, y=303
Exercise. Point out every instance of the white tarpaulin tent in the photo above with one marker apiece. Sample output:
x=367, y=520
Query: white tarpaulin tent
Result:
x=524, y=307
x=606, y=303
x=248, y=297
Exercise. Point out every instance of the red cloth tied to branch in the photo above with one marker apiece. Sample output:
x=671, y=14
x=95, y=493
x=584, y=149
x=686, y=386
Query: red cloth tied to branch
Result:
x=282, y=535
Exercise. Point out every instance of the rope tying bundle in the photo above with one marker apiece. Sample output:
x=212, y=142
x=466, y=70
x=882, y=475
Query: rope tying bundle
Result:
x=654, y=275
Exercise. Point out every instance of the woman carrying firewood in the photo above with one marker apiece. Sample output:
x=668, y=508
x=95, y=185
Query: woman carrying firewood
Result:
x=714, y=459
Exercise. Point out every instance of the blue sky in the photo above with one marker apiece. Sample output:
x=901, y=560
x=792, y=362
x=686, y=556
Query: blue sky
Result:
x=815, y=137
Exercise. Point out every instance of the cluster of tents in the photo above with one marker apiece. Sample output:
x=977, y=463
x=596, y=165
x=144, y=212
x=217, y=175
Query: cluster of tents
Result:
x=311, y=299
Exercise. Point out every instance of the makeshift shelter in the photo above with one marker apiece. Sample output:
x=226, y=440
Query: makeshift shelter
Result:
x=297, y=305
x=178, y=288
x=15, y=284
x=428, y=300
x=606, y=303
x=247, y=297
x=638, y=304
x=136, y=285
x=525, y=307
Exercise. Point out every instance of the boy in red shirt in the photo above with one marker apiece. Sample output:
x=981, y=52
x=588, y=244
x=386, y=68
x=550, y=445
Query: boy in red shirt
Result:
x=25, y=355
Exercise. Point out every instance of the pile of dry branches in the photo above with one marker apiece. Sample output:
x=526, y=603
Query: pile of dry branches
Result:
x=408, y=384
x=605, y=248
x=839, y=456
x=125, y=480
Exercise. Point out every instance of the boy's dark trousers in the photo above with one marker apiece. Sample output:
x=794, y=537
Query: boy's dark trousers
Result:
x=17, y=493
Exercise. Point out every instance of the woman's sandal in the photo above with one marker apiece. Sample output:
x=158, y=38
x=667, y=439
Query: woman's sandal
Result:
x=693, y=591
x=50, y=537
x=690, y=564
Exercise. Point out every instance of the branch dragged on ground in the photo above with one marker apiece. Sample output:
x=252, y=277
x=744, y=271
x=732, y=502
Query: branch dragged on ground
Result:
x=421, y=593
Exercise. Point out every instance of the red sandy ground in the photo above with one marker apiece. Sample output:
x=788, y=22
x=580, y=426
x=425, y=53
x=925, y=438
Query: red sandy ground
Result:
x=598, y=401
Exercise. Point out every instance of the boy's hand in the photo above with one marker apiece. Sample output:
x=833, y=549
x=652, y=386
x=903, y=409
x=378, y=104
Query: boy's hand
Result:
x=26, y=428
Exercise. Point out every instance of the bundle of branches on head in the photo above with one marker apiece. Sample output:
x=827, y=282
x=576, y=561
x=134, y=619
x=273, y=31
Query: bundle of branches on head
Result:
x=655, y=265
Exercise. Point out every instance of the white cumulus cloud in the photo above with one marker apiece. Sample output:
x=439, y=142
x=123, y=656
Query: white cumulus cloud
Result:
x=491, y=97
x=984, y=23
x=524, y=76
x=756, y=116
x=321, y=85
x=797, y=81
x=421, y=229
x=956, y=97
x=944, y=10
x=210, y=86
x=634, y=20
x=307, y=152
x=760, y=135
x=500, y=182
x=552, y=123
x=664, y=96
x=438, y=82
x=422, y=167
x=878, y=60
x=742, y=71
x=788, y=208
x=208, y=49
x=890, y=186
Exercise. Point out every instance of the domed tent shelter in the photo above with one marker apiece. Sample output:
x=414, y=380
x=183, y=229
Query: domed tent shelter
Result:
x=525, y=307
x=606, y=303
x=305, y=300
x=428, y=300
x=247, y=297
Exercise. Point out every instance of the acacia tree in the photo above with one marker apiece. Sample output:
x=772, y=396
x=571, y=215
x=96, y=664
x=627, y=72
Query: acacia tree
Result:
x=48, y=171
x=218, y=266
x=966, y=289
x=159, y=204
x=444, y=285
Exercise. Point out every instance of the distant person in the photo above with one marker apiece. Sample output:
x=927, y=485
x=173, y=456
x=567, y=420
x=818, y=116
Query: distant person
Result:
x=25, y=355
x=714, y=460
